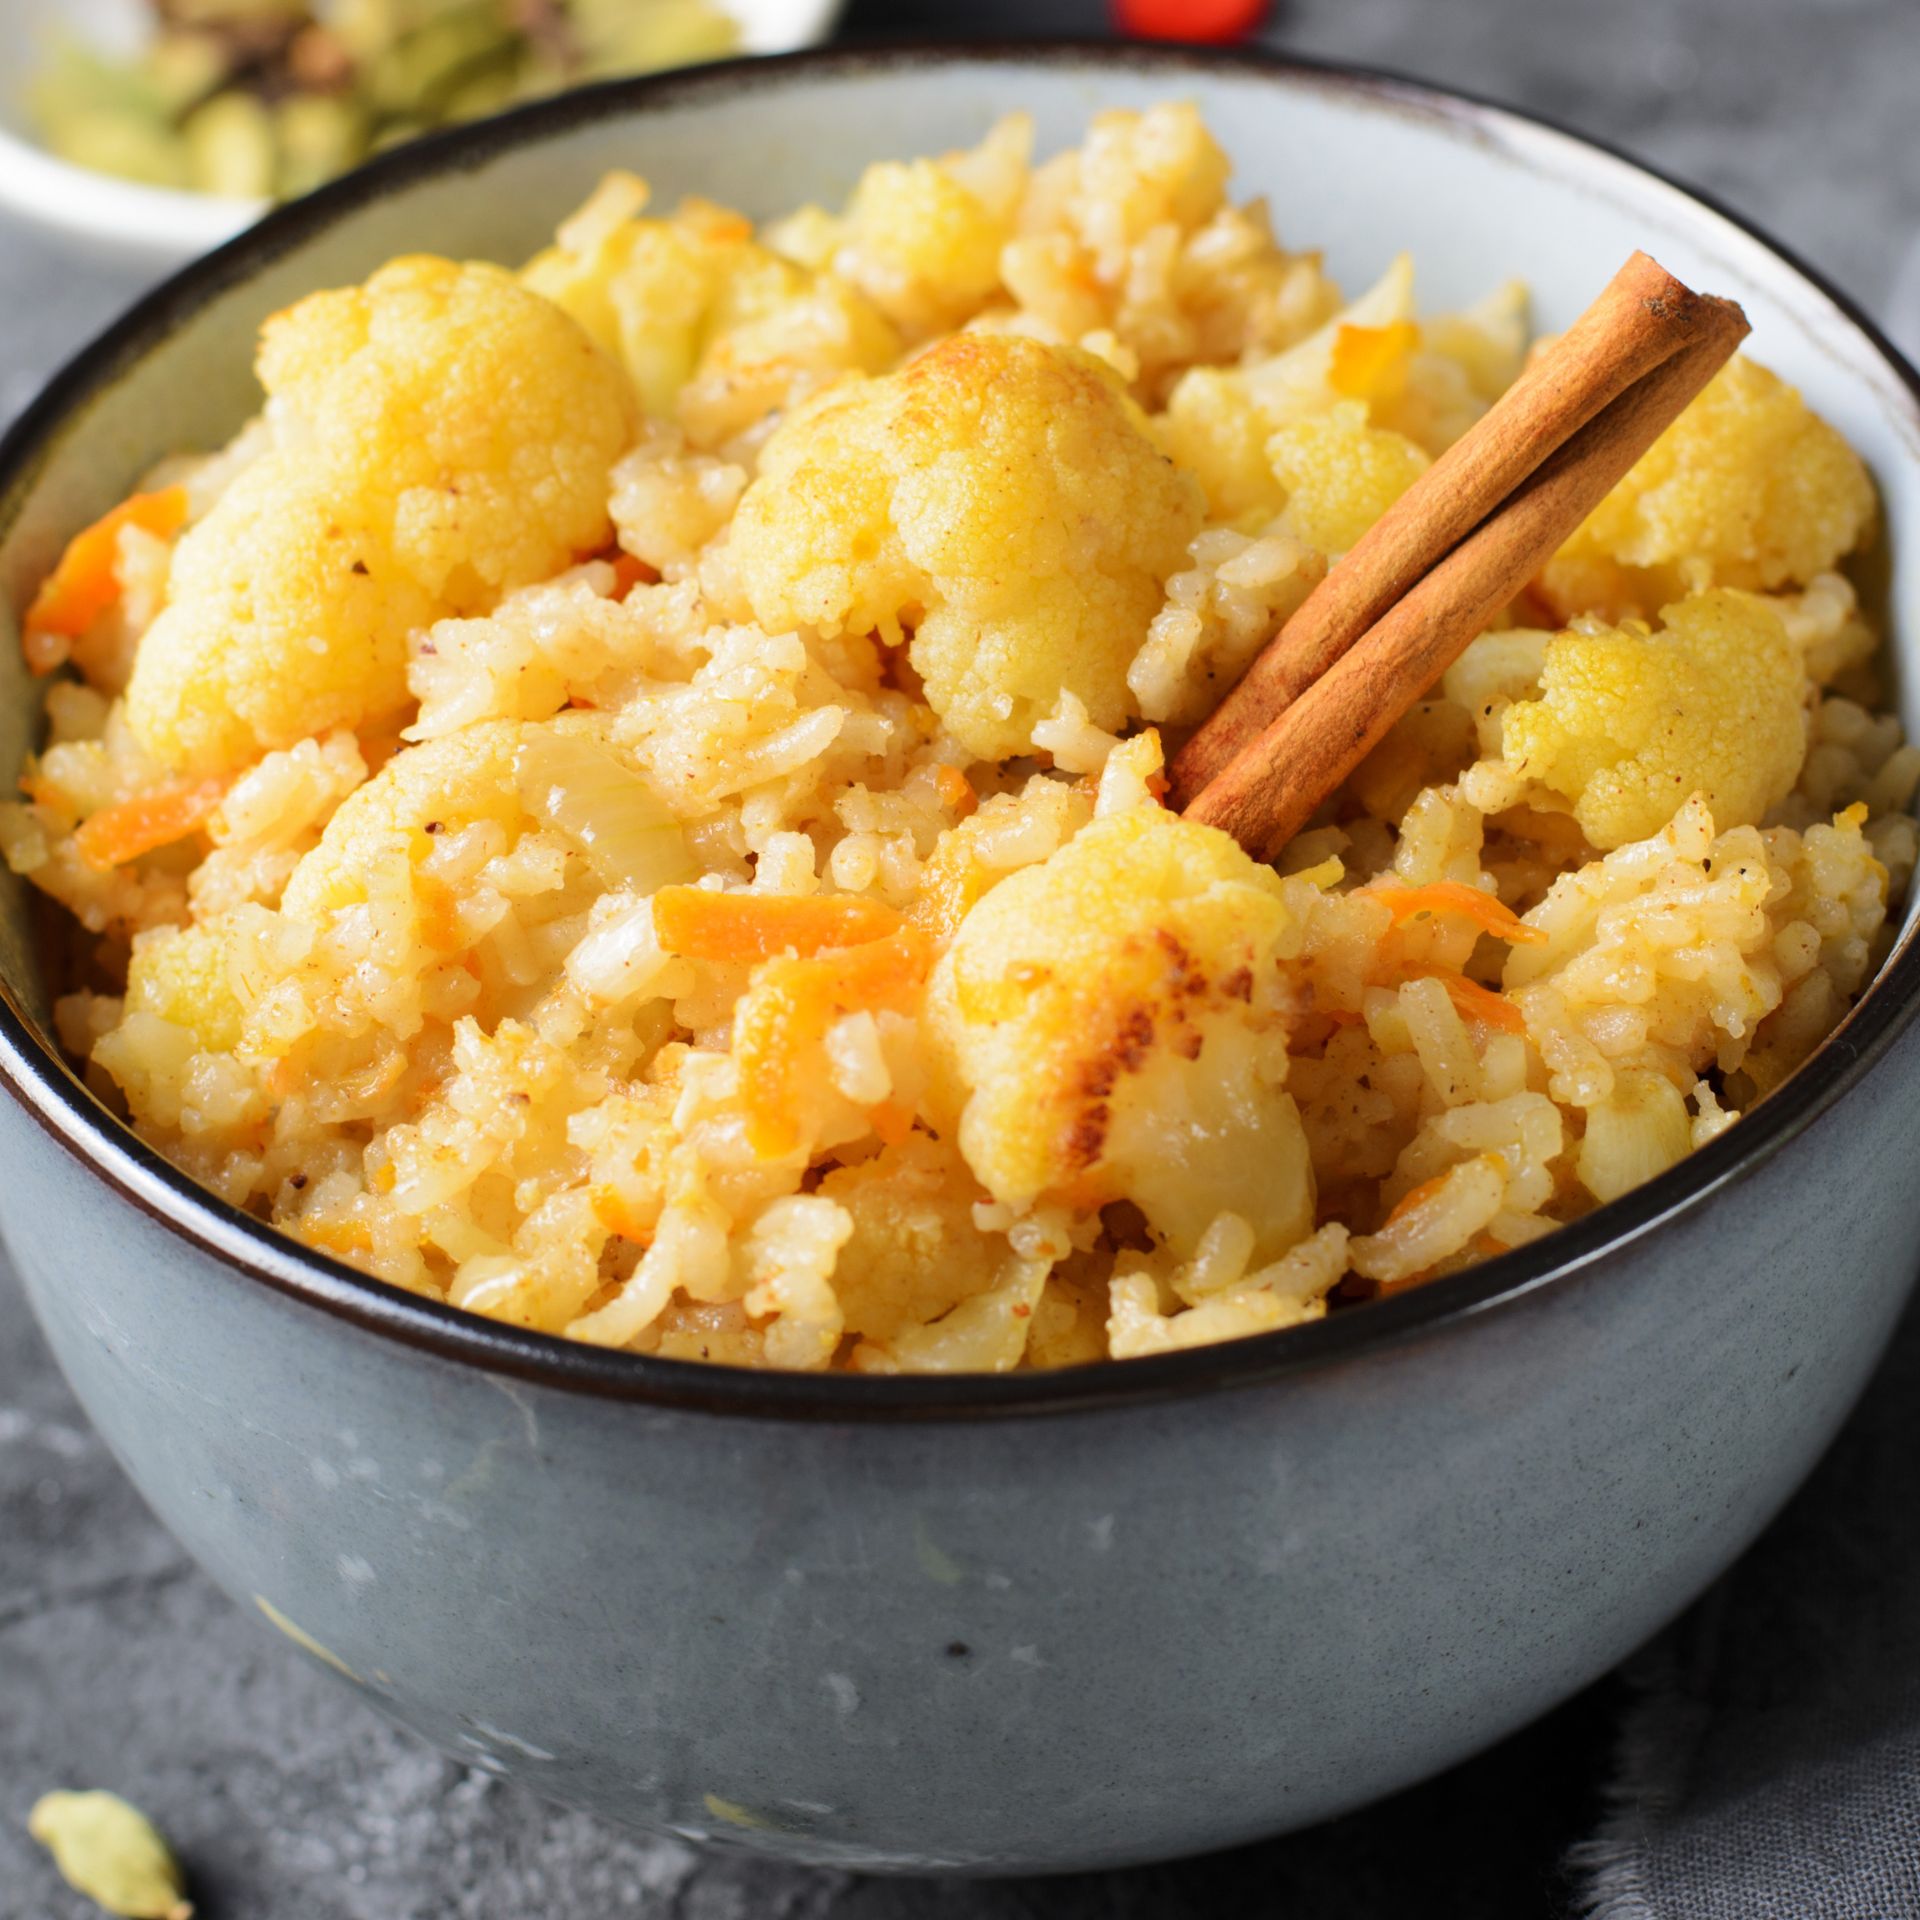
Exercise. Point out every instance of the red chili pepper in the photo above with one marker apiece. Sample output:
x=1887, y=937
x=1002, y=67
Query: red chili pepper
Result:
x=1211, y=20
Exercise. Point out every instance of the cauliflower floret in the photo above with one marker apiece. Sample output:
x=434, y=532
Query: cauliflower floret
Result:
x=914, y=1252
x=1341, y=475
x=440, y=437
x=1748, y=488
x=184, y=975
x=715, y=330
x=473, y=418
x=282, y=622
x=922, y=238
x=1219, y=420
x=998, y=498
x=1630, y=724
x=1109, y=1021
x=447, y=785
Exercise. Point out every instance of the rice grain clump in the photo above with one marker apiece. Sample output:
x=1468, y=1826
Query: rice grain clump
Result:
x=629, y=799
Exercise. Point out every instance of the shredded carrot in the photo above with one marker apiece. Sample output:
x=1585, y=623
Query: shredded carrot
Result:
x=115, y=835
x=741, y=928
x=1472, y=1001
x=1455, y=896
x=786, y=1013
x=437, y=913
x=892, y=1121
x=628, y=573
x=1405, y=1284
x=610, y=1208
x=1487, y=1246
x=86, y=580
x=337, y=1236
x=956, y=791
x=1414, y=1195
x=1370, y=363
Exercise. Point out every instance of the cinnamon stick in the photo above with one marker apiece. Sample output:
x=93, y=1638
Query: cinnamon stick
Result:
x=1643, y=317
x=1277, y=780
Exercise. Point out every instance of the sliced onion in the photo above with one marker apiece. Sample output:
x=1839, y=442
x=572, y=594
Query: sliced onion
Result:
x=590, y=795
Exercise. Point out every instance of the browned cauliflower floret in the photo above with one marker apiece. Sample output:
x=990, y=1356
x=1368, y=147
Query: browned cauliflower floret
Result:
x=440, y=436
x=1000, y=500
x=1631, y=724
x=1109, y=1018
x=1748, y=488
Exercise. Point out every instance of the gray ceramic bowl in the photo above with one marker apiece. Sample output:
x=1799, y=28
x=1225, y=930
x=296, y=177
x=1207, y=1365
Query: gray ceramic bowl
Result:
x=1003, y=1623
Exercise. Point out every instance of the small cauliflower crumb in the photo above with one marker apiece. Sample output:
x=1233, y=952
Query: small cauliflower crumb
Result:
x=997, y=499
x=441, y=436
x=1631, y=724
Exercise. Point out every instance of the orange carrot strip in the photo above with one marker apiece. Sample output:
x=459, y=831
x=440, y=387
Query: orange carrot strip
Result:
x=1414, y=1195
x=956, y=790
x=743, y=927
x=786, y=1013
x=86, y=580
x=892, y=1121
x=628, y=573
x=1472, y=1001
x=1367, y=360
x=610, y=1208
x=336, y=1236
x=1455, y=896
x=115, y=835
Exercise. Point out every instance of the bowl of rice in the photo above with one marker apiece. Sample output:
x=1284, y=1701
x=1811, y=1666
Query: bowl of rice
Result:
x=635, y=1113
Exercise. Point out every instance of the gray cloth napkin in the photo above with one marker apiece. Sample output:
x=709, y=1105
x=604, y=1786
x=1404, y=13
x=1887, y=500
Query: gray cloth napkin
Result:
x=1769, y=1767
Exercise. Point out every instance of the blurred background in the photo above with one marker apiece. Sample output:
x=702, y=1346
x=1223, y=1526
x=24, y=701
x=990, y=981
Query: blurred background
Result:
x=1794, y=112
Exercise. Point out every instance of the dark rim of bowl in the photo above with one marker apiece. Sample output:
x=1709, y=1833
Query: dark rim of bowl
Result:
x=53, y=1095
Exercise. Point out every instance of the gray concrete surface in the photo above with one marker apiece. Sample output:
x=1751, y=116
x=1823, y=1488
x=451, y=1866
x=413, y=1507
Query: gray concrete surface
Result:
x=120, y=1666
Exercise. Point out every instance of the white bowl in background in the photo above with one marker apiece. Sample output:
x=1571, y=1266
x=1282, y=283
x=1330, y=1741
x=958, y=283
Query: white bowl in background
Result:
x=160, y=228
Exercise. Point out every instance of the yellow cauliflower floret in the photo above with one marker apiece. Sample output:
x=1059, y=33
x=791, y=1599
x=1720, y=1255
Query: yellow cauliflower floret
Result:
x=1108, y=1018
x=1340, y=474
x=470, y=416
x=998, y=498
x=1748, y=488
x=184, y=975
x=712, y=327
x=914, y=1251
x=922, y=238
x=1142, y=171
x=1631, y=724
x=441, y=437
x=283, y=621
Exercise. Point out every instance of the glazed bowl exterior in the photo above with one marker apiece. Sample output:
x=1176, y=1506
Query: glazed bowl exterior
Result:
x=977, y=1625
